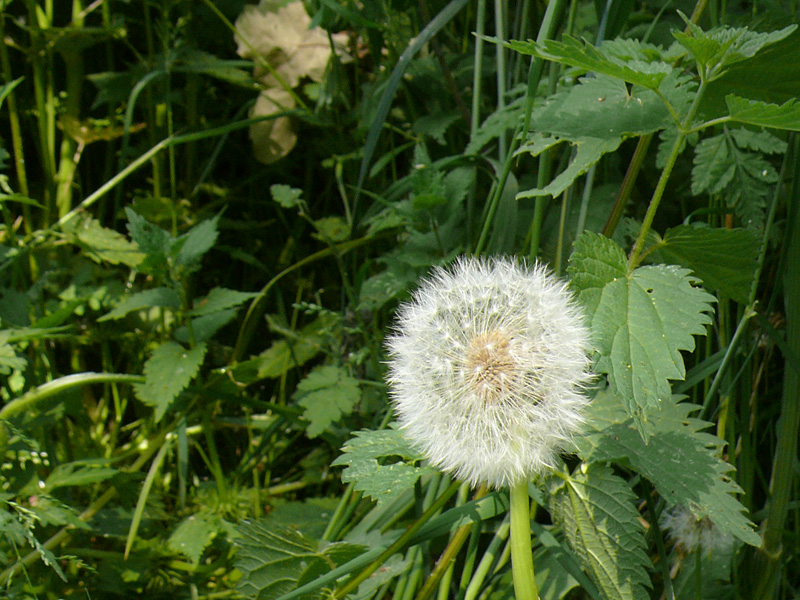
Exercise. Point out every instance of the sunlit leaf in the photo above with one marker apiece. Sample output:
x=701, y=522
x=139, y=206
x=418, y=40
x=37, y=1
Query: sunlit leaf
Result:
x=380, y=479
x=326, y=395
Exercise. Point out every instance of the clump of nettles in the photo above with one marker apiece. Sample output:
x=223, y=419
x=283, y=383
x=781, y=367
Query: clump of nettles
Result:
x=691, y=534
x=488, y=362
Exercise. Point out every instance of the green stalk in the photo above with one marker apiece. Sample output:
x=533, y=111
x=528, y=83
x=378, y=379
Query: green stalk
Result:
x=353, y=584
x=490, y=557
x=782, y=482
x=521, y=554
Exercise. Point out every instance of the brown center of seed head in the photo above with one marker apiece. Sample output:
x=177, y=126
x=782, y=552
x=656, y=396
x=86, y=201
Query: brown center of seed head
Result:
x=489, y=365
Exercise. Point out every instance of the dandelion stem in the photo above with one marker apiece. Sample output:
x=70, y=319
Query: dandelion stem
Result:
x=521, y=556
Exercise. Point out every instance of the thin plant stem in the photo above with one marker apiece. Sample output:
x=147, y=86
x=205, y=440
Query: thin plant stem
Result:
x=499, y=24
x=353, y=584
x=521, y=554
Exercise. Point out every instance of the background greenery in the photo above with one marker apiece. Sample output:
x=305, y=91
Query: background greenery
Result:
x=189, y=337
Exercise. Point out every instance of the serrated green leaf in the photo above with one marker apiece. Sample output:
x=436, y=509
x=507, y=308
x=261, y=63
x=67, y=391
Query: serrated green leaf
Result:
x=743, y=177
x=274, y=559
x=608, y=59
x=724, y=259
x=150, y=238
x=435, y=125
x=166, y=297
x=193, y=535
x=196, y=242
x=204, y=328
x=595, y=509
x=50, y=511
x=9, y=360
x=382, y=482
x=218, y=299
x=168, y=371
x=106, y=245
x=379, y=289
x=603, y=107
x=679, y=458
x=285, y=195
x=640, y=323
x=754, y=112
x=327, y=394
x=595, y=262
x=720, y=48
x=332, y=229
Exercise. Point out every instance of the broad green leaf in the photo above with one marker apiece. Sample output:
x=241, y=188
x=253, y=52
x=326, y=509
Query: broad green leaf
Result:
x=194, y=534
x=680, y=459
x=502, y=120
x=609, y=58
x=196, y=242
x=285, y=195
x=218, y=299
x=204, y=328
x=168, y=371
x=106, y=245
x=327, y=394
x=78, y=473
x=605, y=108
x=640, y=324
x=720, y=48
x=166, y=297
x=379, y=289
x=274, y=559
x=596, y=511
x=755, y=112
x=382, y=482
x=724, y=259
x=50, y=511
x=435, y=125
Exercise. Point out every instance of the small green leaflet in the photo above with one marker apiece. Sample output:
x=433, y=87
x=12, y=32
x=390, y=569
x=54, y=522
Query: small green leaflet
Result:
x=382, y=482
x=763, y=114
x=168, y=371
x=194, y=534
x=327, y=394
x=725, y=164
x=286, y=196
x=302, y=347
x=105, y=245
x=142, y=300
x=150, y=238
x=682, y=462
x=725, y=259
x=627, y=61
x=78, y=473
x=640, y=322
x=275, y=559
x=595, y=509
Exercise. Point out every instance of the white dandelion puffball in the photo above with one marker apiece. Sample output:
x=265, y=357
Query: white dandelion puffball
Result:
x=691, y=533
x=488, y=362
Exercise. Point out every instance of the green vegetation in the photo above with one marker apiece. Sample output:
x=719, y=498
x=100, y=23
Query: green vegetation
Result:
x=205, y=236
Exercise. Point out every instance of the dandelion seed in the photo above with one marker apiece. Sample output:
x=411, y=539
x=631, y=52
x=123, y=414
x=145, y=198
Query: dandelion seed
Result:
x=487, y=367
x=690, y=533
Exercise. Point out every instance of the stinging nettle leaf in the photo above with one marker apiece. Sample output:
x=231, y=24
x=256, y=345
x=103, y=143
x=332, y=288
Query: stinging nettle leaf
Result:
x=680, y=459
x=382, y=482
x=194, y=534
x=602, y=59
x=219, y=299
x=326, y=394
x=106, y=245
x=596, y=511
x=754, y=112
x=196, y=242
x=168, y=371
x=274, y=559
x=640, y=323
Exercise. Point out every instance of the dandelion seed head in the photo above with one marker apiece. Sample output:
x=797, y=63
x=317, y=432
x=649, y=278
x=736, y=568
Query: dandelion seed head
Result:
x=691, y=533
x=488, y=362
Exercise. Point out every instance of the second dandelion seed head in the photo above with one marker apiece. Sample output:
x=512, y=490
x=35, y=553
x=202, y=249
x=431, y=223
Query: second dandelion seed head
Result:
x=487, y=367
